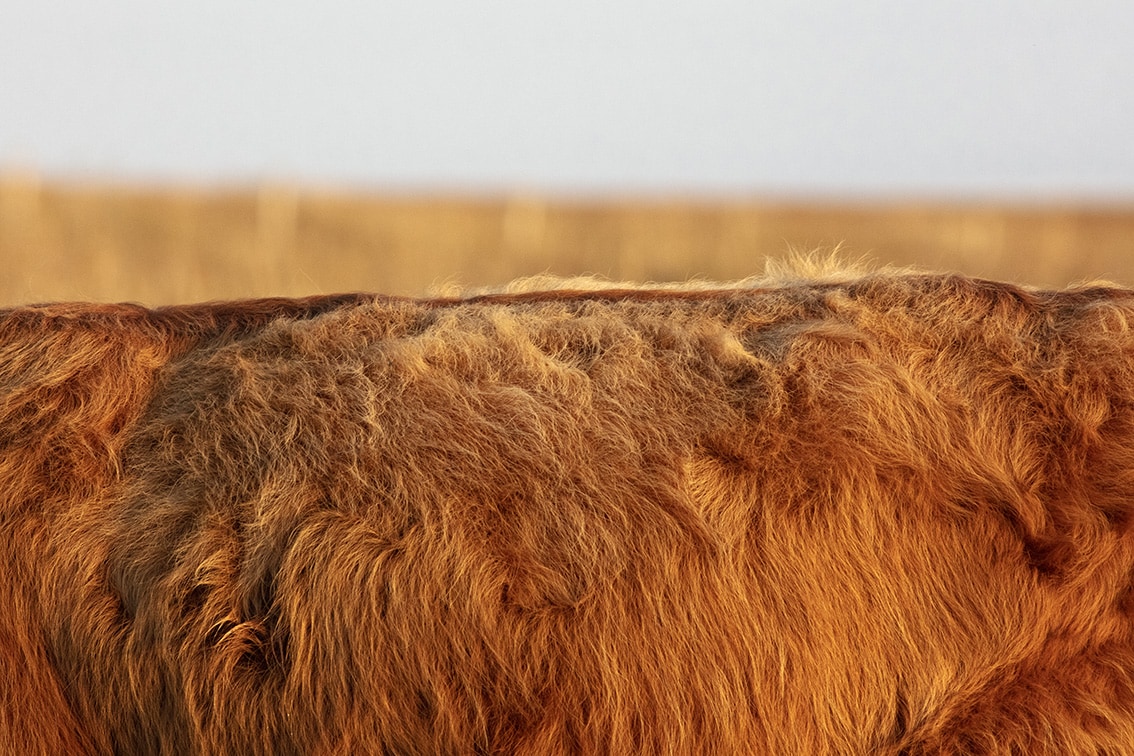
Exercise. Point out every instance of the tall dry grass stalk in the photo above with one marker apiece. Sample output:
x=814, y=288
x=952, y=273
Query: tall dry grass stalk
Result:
x=61, y=241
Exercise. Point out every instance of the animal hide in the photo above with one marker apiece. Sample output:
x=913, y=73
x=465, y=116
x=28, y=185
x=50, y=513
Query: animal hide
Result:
x=887, y=513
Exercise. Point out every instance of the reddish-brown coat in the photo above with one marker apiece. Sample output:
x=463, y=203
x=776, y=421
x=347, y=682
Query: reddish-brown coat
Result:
x=890, y=514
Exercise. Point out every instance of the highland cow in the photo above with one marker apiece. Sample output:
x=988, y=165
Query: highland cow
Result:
x=881, y=514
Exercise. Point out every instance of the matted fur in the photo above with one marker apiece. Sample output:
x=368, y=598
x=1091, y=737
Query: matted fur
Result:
x=885, y=514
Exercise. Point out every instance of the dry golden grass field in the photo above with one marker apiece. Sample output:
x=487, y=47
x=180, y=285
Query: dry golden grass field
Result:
x=167, y=245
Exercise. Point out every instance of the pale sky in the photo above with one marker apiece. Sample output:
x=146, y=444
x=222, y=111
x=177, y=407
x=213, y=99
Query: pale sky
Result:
x=1019, y=98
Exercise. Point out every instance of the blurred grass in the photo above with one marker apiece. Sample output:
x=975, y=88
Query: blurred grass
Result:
x=63, y=241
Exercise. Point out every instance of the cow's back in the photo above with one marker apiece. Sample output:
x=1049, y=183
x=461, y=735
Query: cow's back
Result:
x=890, y=514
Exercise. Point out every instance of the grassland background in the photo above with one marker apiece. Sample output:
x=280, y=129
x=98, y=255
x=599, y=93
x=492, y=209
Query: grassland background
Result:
x=61, y=241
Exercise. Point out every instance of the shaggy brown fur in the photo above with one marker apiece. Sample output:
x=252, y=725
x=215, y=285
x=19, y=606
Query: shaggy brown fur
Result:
x=884, y=515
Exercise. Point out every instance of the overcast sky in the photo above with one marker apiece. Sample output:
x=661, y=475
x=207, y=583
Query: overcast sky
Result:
x=865, y=97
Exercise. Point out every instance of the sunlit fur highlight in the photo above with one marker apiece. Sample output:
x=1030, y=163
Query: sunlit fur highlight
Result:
x=872, y=513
